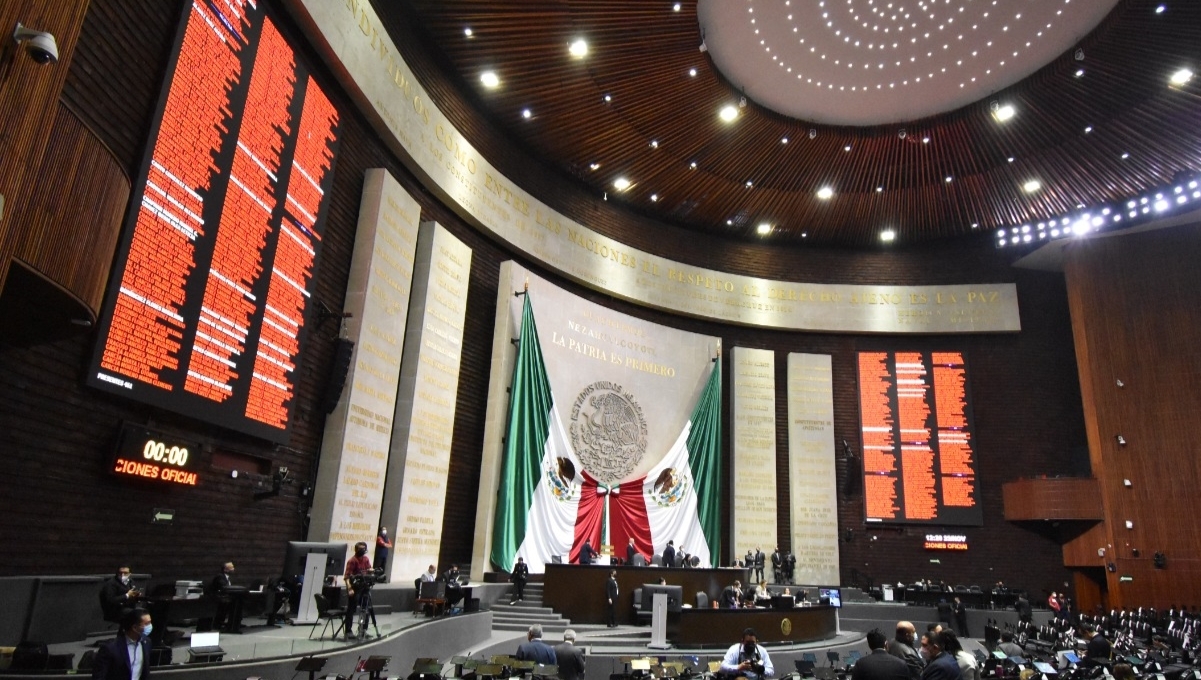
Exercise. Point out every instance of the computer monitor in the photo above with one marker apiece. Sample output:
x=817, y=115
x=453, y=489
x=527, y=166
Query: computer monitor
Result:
x=1045, y=668
x=675, y=596
x=783, y=602
x=1017, y=660
x=830, y=596
x=298, y=552
x=1071, y=657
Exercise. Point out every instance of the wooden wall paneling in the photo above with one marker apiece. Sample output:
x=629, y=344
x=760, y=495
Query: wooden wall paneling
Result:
x=1051, y=499
x=1131, y=317
x=28, y=102
x=1081, y=551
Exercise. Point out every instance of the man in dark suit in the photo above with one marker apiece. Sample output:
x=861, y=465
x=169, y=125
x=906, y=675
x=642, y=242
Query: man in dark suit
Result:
x=611, y=598
x=229, y=600
x=879, y=664
x=128, y=656
x=942, y=665
x=569, y=657
x=790, y=567
x=1022, y=606
x=519, y=575
x=760, y=560
x=534, y=649
x=901, y=647
x=586, y=553
x=731, y=596
x=454, y=589
x=669, y=554
x=117, y=595
x=776, y=563
x=960, y=611
x=631, y=551
x=946, y=613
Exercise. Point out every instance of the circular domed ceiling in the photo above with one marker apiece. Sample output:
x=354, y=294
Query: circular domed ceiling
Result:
x=871, y=62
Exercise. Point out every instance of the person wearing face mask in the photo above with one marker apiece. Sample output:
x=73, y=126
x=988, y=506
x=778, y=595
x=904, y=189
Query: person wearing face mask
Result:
x=356, y=566
x=748, y=659
x=383, y=547
x=117, y=594
x=128, y=656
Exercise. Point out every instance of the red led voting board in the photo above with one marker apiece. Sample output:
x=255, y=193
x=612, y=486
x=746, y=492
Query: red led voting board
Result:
x=205, y=311
x=918, y=439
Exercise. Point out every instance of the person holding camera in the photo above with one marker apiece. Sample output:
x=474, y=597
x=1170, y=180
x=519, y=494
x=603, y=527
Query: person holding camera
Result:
x=357, y=569
x=748, y=659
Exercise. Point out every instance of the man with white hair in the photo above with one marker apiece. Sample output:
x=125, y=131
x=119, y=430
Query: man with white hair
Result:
x=570, y=658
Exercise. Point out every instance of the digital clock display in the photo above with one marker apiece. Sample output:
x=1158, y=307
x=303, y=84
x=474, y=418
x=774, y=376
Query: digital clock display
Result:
x=156, y=456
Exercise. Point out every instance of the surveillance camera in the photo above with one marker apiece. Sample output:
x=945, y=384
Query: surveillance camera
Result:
x=39, y=44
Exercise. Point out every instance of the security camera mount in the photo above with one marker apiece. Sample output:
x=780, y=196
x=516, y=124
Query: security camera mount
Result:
x=39, y=44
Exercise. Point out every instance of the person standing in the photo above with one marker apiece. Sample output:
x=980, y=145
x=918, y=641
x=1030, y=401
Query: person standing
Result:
x=611, y=598
x=631, y=551
x=760, y=560
x=901, y=647
x=117, y=594
x=879, y=664
x=731, y=596
x=128, y=656
x=669, y=554
x=969, y=668
x=519, y=575
x=942, y=666
x=383, y=548
x=790, y=568
x=570, y=658
x=356, y=566
x=229, y=599
x=748, y=659
x=454, y=589
x=586, y=552
x=777, y=562
x=534, y=649
x=960, y=612
x=1053, y=604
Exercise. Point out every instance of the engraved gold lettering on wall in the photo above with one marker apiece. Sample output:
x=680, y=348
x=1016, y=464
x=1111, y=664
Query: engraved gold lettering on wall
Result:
x=430, y=386
x=356, y=442
x=811, y=472
x=753, y=476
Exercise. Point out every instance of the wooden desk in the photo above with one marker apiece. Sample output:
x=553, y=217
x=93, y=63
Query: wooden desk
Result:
x=723, y=627
x=578, y=592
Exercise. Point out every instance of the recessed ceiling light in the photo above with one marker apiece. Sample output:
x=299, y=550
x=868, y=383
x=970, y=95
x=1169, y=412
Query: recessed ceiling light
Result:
x=1079, y=72
x=729, y=223
x=692, y=72
x=728, y=112
x=654, y=198
x=675, y=7
x=1181, y=77
x=621, y=184
x=847, y=147
x=654, y=144
x=879, y=189
x=1088, y=129
x=594, y=166
x=1161, y=9
x=804, y=234
x=467, y=32
x=607, y=98
x=489, y=79
x=749, y=184
x=825, y=193
x=764, y=228
x=1032, y=186
x=888, y=235
x=578, y=48
x=692, y=165
x=925, y=140
x=783, y=140
x=949, y=178
x=1004, y=113
x=527, y=114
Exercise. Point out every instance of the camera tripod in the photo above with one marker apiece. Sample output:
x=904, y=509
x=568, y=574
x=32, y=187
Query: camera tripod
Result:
x=365, y=613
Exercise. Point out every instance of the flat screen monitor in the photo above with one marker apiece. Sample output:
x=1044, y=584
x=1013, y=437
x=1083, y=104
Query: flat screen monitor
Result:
x=298, y=552
x=675, y=596
x=1045, y=668
x=783, y=602
x=999, y=654
x=830, y=596
x=1017, y=660
x=1071, y=657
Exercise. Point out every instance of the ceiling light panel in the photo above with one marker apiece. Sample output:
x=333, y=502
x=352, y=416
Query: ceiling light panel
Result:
x=886, y=61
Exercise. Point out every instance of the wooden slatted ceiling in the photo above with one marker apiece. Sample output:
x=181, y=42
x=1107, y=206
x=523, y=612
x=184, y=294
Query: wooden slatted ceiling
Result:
x=640, y=54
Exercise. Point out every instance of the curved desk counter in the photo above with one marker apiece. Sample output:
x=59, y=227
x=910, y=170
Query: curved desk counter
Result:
x=723, y=627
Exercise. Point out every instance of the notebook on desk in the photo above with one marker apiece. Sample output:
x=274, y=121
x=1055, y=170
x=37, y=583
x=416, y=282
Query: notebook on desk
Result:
x=205, y=643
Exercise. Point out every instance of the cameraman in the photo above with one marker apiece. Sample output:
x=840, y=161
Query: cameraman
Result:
x=748, y=659
x=358, y=568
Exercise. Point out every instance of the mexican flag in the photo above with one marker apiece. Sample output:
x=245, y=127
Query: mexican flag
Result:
x=678, y=500
x=540, y=482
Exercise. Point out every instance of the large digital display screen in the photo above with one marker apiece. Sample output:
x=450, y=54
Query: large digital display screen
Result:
x=205, y=310
x=918, y=439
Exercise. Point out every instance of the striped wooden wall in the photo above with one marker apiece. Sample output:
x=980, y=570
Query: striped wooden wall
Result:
x=1136, y=322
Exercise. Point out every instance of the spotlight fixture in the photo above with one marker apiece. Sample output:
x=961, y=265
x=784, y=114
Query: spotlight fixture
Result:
x=468, y=32
x=1127, y=483
x=1078, y=55
x=527, y=114
x=578, y=48
x=1001, y=112
x=621, y=184
x=1181, y=77
x=692, y=72
x=764, y=228
x=825, y=193
x=888, y=235
x=728, y=113
x=742, y=103
x=812, y=133
x=1032, y=186
x=675, y=7
x=1129, y=524
x=901, y=133
x=490, y=79
x=594, y=166
x=1120, y=440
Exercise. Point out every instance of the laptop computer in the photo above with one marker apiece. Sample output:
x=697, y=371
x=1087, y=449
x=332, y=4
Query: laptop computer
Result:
x=205, y=643
x=825, y=673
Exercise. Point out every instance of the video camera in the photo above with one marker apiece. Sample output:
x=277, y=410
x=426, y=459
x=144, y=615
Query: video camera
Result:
x=365, y=580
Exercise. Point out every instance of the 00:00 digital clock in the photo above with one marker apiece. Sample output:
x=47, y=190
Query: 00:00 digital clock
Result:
x=154, y=456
